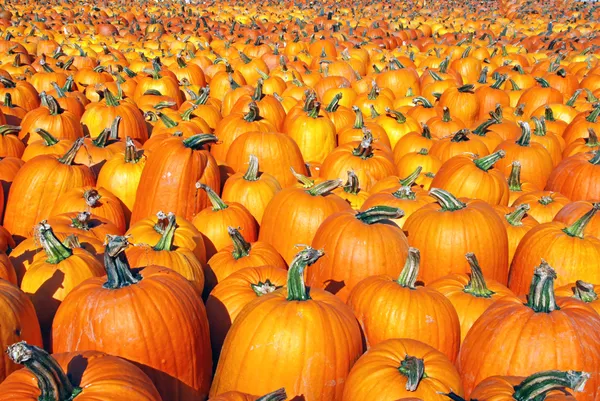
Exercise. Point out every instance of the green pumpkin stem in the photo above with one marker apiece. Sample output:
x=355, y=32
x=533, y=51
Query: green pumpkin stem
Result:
x=165, y=243
x=241, y=247
x=409, y=181
x=197, y=142
x=51, y=103
x=525, y=138
x=314, y=112
x=359, y=122
x=515, y=218
x=56, y=252
x=592, y=139
x=595, y=160
x=447, y=201
x=585, y=291
x=549, y=114
x=69, y=157
x=252, y=171
x=261, y=289
x=110, y=99
x=253, y=113
x=53, y=382
x=364, y=150
x=424, y=102
x=166, y=120
x=540, y=126
x=514, y=179
x=81, y=221
x=538, y=385
x=302, y=179
x=295, y=280
x=446, y=115
x=594, y=115
x=404, y=193
x=213, y=197
x=48, y=138
x=400, y=118
x=334, y=104
x=379, y=213
x=352, y=186
x=59, y=92
x=258, y=92
x=413, y=369
x=460, y=136
x=469, y=88
x=487, y=162
x=131, y=152
x=118, y=271
x=541, y=292
x=9, y=130
x=476, y=286
x=408, y=276
x=577, y=228
x=324, y=187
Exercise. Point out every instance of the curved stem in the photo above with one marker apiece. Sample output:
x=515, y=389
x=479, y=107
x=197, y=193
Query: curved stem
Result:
x=364, y=150
x=408, y=276
x=515, y=218
x=400, y=118
x=540, y=126
x=594, y=115
x=110, y=99
x=253, y=113
x=9, y=130
x=69, y=157
x=592, y=139
x=215, y=200
x=359, y=119
x=476, y=286
x=541, y=292
x=55, y=250
x=118, y=272
x=461, y=136
x=295, y=280
x=379, y=213
x=352, y=186
x=131, y=153
x=423, y=101
x=302, y=179
x=549, y=114
x=241, y=247
x=409, y=181
x=447, y=201
x=469, y=88
x=324, y=187
x=525, y=138
x=577, y=228
x=252, y=171
x=413, y=369
x=314, y=112
x=53, y=382
x=166, y=120
x=197, y=142
x=258, y=92
x=334, y=104
x=536, y=386
x=165, y=243
x=514, y=179
x=51, y=103
x=487, y=162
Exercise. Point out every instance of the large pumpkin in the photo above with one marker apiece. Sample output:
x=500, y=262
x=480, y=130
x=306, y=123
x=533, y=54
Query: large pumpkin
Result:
x=576, y=177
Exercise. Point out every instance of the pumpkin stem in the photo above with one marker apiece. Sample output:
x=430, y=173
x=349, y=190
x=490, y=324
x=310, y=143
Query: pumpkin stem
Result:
x=446, y=115
x=423, y=101
x=405, y=193
x=52, y=381
x=595, y=160
x=476, y=286
x=110, y=99
x=379, y=213
x=543, y=83
x=9, y=130
x=546, y=200
x=314, y=112
x=400, y=118
x=515, y=217
x=540, y=126
x=576, y=229
x=324, y=187
x=447, y=201
x=7, y=83
x=165, y=243
x=454, y=397
x=374, y=93
x=55, y=250
x=47, y=137
x=131, y=153
x=258, y=92
x=408, y=276
x=51, y=103
x=541, y=292
x=487, y=162
x=592, y=139
x=59, y=92
x=252, y=171
x=304, y=180
x=460, y=136
x=92, y=197
x=525, y=138
x=359, y=121
x=215, y=200
x=538, y=385
x=469, y=88
x=352, y=185
x=499, y=81
x=253, y=113
x=295, y=279
x=166, y=120
x=118, y=272
x=409, y=181
x=162, y=221
x=69, y=157
x=261, y=289
x=414, y=370
x=81, y=221
x=364, y=150
x=594, y=115
x=334, y=104
x=241, y=247
x=549, y=114
x=514, y=179
x=197, y=142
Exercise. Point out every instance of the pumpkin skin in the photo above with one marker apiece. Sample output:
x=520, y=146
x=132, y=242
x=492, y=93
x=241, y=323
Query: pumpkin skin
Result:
x=583, y=291
x=176, y=311
x=315, y=369
x=544, y=205
x=233, y=293
x=383, y=249
x=573, y=211
x=576, y=177
x=566, y=247
x=314, y=133
x=517, y=223
x=37, y=186
x=461, y=142
x=62, y=124
x=542, y=334
x=48, y=145
x=381, y=364
x=470, y=295
x=98, y=375
x=426, y=314
x=467, y=228
x=183, y=163
x=19, y=323
x=294, y=215
x=277, y=395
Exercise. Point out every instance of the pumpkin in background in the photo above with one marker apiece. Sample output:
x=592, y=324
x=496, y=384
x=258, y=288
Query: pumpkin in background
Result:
x=394, y=307
x=459, y=143
x=573, y=211
x=446, y=230
x=543, y=333
x=516, y=187
x=47, y=145
x=583, y=291
x=517, y=223
x=576, y=177
x=357, y=245
x=471, y=294
x=314, y=369
x=87, y=375
x=314, y=133
x=174, y=312
x=543, y=205
x=277, y=395
x=7, y=270
x=233, y=293
x=352, y=192
x=10, y=144
x=409, y=368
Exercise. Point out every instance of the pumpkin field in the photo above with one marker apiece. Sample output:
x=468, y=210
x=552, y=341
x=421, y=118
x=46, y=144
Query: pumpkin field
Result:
x=299, y=200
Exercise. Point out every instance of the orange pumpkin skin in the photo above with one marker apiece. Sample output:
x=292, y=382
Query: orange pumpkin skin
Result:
x=573, y=211
x=315, y=369
x=466, y=229
x=577, y=177
x=517, y=224
x=544, y=205
x=101, y=376
x=381, y=364
x=455, y=145
x=19, y=323
x=314, y=133
x=294, y=215
x=470, y=295
x=566, y=247
x=527, y=337
x=233, y=293
x=383, y=249
x=175, y=312
x=9, y=167
x=277, y=395
x=6, y=240
x=7, y=271
x=169, y=177
x=62, y=124
x=37, y=186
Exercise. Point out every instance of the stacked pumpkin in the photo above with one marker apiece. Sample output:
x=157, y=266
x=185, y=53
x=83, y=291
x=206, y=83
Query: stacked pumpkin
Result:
x=240, y=201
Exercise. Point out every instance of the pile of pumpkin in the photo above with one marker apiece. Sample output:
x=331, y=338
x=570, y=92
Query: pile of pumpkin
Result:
x=242, y=201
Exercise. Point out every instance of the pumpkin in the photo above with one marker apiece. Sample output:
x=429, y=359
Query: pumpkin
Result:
x=87, y=375
x=19, y=323
x=233, y=293
x=573, y=211
x=277, y=395
x=47, y=145
x=470, y=294
x=37, y=186
x=543, y=333
x=175, y=311
x=515, y=186
x=459, y=143
x=583, y=145
x=162, y=81
x=518, y=222
x=459, y=227
x=583, y=291
x=281, y=225
x=314, y=369
x=462, y=103
x=314, y=134
x=576, y=177
x=409, y=368
x=351, y=191
x=356, y=132
x=22, y=93
x=403, y=198
x=10, y=145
